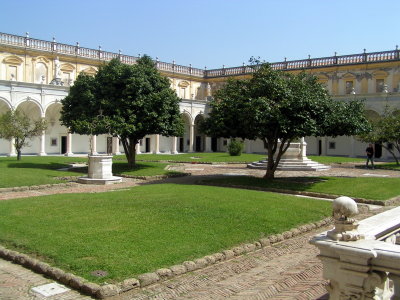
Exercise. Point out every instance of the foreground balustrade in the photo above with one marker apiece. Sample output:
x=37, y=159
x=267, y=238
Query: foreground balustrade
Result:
x=361, y=260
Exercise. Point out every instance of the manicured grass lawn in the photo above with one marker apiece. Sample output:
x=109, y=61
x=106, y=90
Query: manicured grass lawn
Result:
x=335, y=159
x=34, y=170
x=141, y=169
x=200, y=157
x=148, y=227
x=368, y=188
x=389, y=166
x=37, y=170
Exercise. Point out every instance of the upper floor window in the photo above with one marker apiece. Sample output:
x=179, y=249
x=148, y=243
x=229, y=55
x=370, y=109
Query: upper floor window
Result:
x=349, y=86
x=380, y=85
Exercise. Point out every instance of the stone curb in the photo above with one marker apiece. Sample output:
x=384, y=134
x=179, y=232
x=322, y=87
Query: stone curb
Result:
x=39, y=187
x=156, y=177
x=197, y=162
x=390, y=202
x=109, y=290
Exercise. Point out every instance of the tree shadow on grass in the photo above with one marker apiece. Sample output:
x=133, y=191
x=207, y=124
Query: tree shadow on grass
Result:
x=29, y=165
x=286, y=183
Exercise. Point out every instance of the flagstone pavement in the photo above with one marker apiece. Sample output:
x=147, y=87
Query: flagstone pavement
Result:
x=286, y=270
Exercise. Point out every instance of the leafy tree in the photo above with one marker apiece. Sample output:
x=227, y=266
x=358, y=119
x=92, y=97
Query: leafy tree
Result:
x=17, y=125
x=134, y=101
x=385, y=131
x=280, y=108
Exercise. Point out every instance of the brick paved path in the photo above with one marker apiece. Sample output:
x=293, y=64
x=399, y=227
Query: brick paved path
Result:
x=287, y=270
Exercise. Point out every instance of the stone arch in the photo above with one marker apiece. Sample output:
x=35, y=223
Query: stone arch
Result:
x=199, y=137
x=5, y=106
x=55, y=130
x=89, y=71
x=372, y=115
x=184, y=141
x=34, y=102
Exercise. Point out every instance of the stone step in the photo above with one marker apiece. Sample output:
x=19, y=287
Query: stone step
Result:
x=291, y=165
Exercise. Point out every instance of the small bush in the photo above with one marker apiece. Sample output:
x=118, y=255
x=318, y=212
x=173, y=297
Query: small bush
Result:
x=235, y=148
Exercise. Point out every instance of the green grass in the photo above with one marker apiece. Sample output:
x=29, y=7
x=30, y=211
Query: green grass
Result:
x=141, y=169
x=200, y=157
x=34, y=170
x=368, y=188
x=335, y=159
x=388, y=166
x=148, y=227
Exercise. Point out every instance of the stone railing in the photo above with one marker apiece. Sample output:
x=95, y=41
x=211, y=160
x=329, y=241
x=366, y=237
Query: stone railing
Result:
x=363, y=263
x=27, y=42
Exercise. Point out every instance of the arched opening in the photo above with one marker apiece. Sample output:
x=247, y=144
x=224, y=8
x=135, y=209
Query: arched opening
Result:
x=32, y=110
x=56, y=134
x=199, y=137
x=4, y=144
x=184, y=141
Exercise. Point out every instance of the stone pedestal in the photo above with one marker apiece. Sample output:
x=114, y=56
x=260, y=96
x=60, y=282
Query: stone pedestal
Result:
x=294, y=159
x=100, y=171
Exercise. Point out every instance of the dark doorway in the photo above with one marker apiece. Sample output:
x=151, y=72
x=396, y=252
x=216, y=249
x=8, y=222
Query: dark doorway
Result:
x=181, y=144
x=378, y=150
x=198, y=143
x=109, y=145
x=148, y=143
x=319, y=147
x=63, y=144
x=214, y=141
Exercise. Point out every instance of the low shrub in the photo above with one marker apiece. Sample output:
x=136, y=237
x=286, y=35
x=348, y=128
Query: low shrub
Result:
x=235, y=148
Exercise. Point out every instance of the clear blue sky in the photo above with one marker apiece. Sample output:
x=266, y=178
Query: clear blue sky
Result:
x=211, y=33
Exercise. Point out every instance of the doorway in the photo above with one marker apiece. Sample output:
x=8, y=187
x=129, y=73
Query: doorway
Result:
x=63, y=144
x=148, y=144
x=214, y=141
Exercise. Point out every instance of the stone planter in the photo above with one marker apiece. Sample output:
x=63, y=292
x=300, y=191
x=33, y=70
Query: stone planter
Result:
x=100, y=171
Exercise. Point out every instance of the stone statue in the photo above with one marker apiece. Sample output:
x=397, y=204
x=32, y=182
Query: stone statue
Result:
x=12, y=77
x=208, y=94
x=57, y=68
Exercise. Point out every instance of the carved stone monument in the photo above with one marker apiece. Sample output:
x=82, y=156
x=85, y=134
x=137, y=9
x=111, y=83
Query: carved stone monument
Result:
x=100, y=171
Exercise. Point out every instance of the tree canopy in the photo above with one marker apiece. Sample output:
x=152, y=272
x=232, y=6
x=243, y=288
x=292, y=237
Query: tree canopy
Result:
x=127, y=101
x=279, y=108
x=17, y=125
x=385, y=131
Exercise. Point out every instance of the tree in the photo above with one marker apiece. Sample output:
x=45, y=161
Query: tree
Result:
x=280, y=108
x=385, y=131
x=17, y=125
x=134, y=101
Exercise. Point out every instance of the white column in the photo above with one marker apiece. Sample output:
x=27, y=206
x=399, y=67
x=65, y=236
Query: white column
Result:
x=207, y=145
x=156, y=144
x=116, y=150
x=247, y=144
x=191, y=138
x=352, y=151
x=94, y=145
x=174, y=142
x=42, y=151
x=69, y=144
x=323, y=146
x=12, y=148
x=138, y=148
x=303, y=148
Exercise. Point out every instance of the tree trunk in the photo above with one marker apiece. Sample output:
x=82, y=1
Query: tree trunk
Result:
x=18, y=154
x=270, y=174
x=391, y=152
x=130, y=150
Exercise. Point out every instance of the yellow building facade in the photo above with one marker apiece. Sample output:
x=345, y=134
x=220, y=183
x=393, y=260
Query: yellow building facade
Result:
x=35, y=76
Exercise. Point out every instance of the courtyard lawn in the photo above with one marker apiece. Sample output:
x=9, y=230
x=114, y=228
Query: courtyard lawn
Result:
x=388, y=166
x=200, y=157
x=130, y=232
x=376, y=188
x=141, y=168
x=34, y=170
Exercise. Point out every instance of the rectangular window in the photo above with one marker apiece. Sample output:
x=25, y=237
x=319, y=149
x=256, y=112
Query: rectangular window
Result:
x=53, y=142
x=349, y=86
x=379, y=85
x=332, y=145
x=225, y=142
